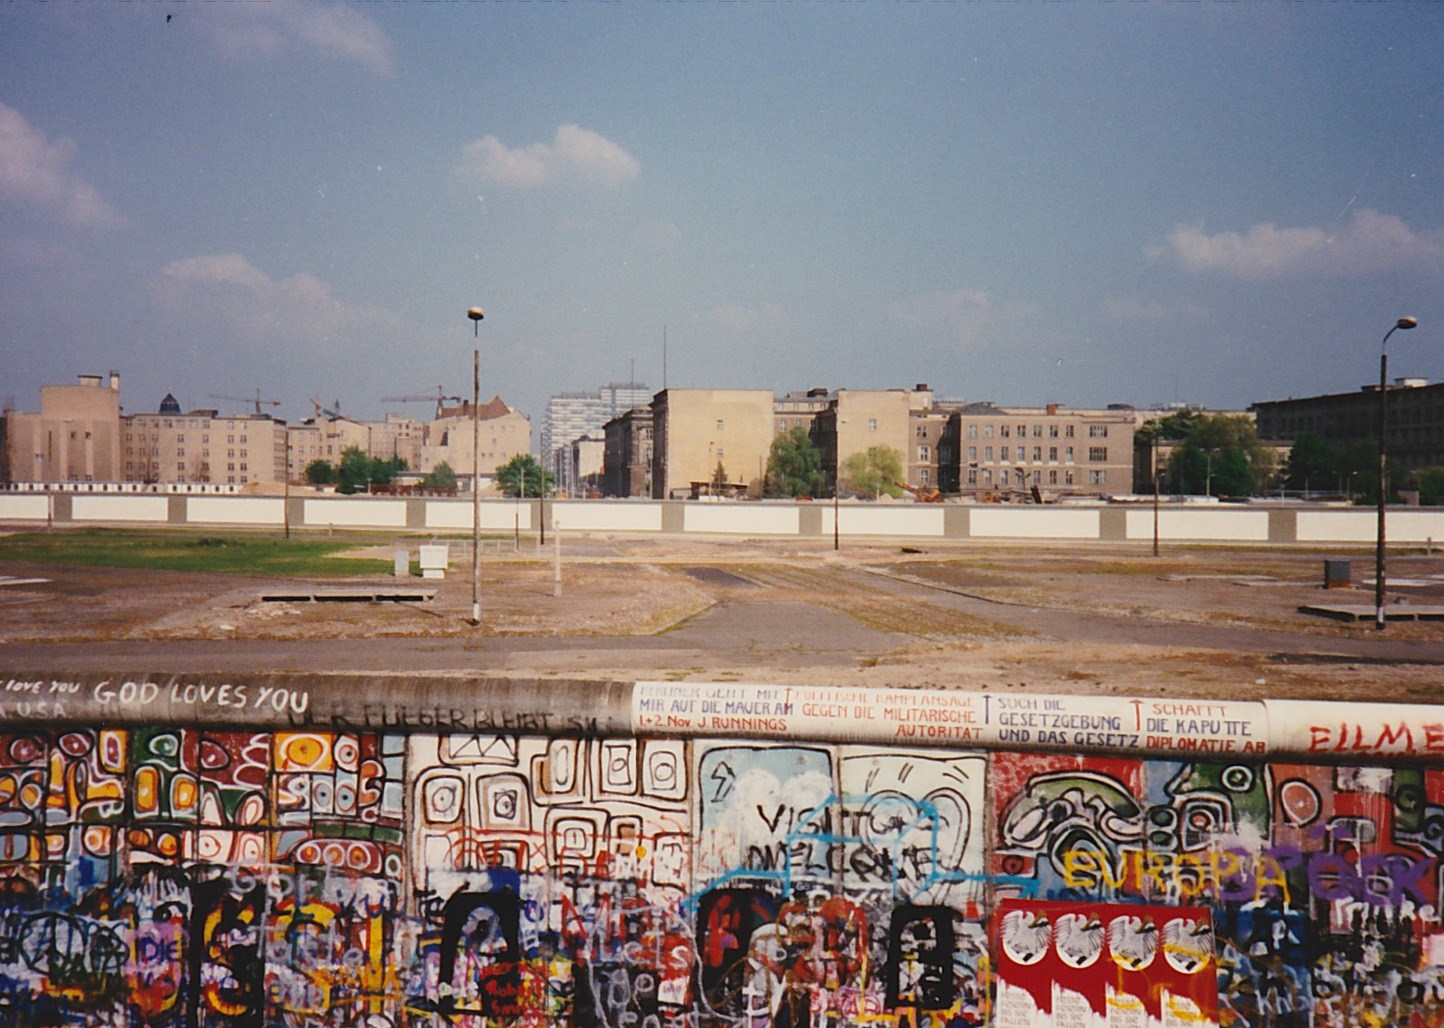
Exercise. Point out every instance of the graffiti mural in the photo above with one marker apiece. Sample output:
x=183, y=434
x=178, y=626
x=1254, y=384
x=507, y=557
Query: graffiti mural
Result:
x=172, y=877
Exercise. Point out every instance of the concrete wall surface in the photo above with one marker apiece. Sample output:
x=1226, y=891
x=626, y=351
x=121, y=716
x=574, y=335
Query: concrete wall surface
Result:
x=234, y=510
x=373, y=852
x=1278, y=524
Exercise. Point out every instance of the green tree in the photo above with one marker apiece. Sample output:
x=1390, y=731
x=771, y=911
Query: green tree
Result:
x=794, y=465
x=719, y=476
x=1430, y=483
x=873, y=472
x=353, y=472
x=523, y=468
x=1221, y=454
x=440, y=478
x=1352, y=467
x=321, y=472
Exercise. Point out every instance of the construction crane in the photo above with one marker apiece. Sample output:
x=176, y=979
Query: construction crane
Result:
x=247, y=399
x=333, y=412
x=439, y=399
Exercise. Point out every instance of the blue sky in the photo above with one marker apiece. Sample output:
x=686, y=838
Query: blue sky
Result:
x=1211, y=203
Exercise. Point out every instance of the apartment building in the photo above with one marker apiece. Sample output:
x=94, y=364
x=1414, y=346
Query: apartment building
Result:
x=571, y=416
x=856, y=420
x=627, y=454
x=799, y=409
x=503, y=433
x=200, y=446
x=1061, y=451
x=696, y=430
x=74, y=437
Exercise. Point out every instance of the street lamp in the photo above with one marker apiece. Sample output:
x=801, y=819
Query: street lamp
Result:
x=475, y=314
x=1406, y=324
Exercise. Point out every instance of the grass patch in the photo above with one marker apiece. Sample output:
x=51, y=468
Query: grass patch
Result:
x=186, y=551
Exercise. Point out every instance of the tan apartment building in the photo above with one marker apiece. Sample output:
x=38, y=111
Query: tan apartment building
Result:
x=170, y=446
x=696, y=430
x=1061, y=451
x=75, y=436
x=799, y=409
x=627, y=454
x=324, y=439
x=856, y=420
x=504, y=433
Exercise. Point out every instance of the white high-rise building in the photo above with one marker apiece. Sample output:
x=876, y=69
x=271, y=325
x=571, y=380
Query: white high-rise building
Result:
x=572, y=416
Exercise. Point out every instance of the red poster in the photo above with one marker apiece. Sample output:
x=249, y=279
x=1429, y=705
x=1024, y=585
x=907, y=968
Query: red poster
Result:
x=1104, y=965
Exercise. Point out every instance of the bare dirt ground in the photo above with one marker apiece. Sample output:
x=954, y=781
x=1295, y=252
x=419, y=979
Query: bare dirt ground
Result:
x=1095, y=618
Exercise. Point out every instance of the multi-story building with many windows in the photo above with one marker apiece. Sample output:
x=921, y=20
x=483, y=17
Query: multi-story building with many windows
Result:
x=171, y=446
x=1415, y=419
x=572, y=416
x=627, y=454
x=1060, y=451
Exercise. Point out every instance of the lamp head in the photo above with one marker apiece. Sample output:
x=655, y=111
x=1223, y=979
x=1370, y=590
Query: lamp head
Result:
x=1407, y=323
x=476, y=314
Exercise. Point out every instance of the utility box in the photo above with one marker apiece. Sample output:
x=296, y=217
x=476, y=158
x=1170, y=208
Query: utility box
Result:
x=1338, y=574
x=402, y=568
x=433, y=560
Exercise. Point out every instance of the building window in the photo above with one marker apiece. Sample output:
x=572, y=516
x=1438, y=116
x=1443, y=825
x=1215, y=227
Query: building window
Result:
x=1052, y=454
x=719, y=425
x=1097, y=431
x=924, y=453
x=972, y=453
x=972, y=476
x=1005, y=451
x=1037, y=478
x=987, y=431
x=972, y=431
x=1068, y=431
x=1052, y=431
x=1053, y=478
x=1037, y=453
x=987, y=476
x=1004, y=431
x=1022, y=431
x=923, y=476
x=987, y=453
x=1097, y=477
x=1068, y=477
x=1097, y=454
x=872, y=424
x=1068, y=454
x=1037, y=431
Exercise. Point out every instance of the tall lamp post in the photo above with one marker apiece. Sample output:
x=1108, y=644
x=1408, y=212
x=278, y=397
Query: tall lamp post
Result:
x=475, y=314
x=1404, y=323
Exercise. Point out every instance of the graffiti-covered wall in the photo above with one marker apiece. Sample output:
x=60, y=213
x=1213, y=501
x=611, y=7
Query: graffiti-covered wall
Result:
x=169, y=876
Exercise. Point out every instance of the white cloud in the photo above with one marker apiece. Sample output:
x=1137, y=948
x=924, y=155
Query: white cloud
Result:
x=964, y=315
x=37, y=173
x=576, y=156
x=1369, y=242
x=244, y=303
x=281, y=28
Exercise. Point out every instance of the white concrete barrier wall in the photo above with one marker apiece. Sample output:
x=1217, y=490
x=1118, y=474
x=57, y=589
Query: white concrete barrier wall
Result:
x=1034, y=523
x=1221, y=525
x=921, y=521
x=495, y=515
x=24, y=507
x=235, y=510
x=1336, y=526
x=357, y=513
x=119, y=508
x=609, y=517
x=751, y=520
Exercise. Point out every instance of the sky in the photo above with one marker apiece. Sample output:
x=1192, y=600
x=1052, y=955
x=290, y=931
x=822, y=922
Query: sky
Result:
x=1091, y=203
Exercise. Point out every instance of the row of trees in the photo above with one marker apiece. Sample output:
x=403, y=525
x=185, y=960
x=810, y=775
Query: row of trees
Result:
x=1318, y=464
x=357, y=472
